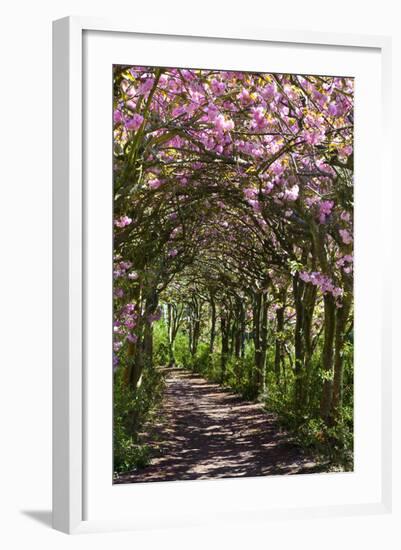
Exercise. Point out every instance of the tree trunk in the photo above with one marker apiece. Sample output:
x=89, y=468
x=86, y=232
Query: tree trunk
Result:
x=309, y=307
x=278, y=355
x=342, y=317
x=195, y=335
x=238, y=331
x=298, y=287
x=213, y=325
x=171, y=335
x=224, y=346
x=327, y=356
x=242, y=332
x=260, y=339
x=263, y=343
x=134, y=365
x=140, y=354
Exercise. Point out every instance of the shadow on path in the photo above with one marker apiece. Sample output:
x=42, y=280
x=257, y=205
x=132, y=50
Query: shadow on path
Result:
x=206, y=432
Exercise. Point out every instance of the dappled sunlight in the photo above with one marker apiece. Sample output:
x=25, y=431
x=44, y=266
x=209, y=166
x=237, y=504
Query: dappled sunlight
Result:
x=204, y=432
x=232, y=258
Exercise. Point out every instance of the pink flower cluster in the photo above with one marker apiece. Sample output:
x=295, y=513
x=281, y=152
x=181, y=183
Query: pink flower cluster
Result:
x=217, y=87
x=250, y=193
x=345, y=236
x=154, y=183
x=323, y=282
x=292, y=193
x=345, y=263
x=123, y=221
x=259, y=120
x=134, y=123
x=118, y=292
x=223, y=124
x=120, y=269
x=313, y=136
x=325, y=208
x=124, y=325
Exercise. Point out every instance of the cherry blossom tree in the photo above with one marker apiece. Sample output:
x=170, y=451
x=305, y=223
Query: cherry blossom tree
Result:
x=233, y=216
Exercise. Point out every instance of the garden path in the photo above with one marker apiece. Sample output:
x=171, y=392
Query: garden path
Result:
x=204, y=431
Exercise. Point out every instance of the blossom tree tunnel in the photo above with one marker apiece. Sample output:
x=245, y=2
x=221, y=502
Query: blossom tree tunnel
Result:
x=233, y=224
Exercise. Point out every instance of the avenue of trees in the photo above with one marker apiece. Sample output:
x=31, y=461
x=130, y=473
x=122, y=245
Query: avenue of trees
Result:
x=233, y=246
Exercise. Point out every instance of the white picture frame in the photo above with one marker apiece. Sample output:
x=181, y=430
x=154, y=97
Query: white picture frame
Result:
x=69, y=257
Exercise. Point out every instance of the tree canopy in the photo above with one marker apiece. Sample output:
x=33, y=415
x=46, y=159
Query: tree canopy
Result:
x=233, y=223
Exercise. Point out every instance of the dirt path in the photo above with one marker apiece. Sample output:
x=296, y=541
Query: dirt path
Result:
x=206, y=432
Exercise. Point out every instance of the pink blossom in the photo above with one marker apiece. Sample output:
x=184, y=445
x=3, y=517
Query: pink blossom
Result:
x=292, y=194
x=173, y=252
x=345, y=151
x=178, y=111
x=325, y=208
x=256, y=152
x=130, y=323
x=146, y=86
x=249, y=192
x=345, y=236
x=212, y=112
x=313, y=136
x=154, y=184
x=268, y=92
x=332, y=109
x=123, y=221
x=277, y=168
x=117, y=346
x=268, y=187
x=244, y=96
x=117, y=116
x=217, y=87
x=322, y=281
x=223, y=124
x=304, y=276
x=133, y=338
x=135, y=122
x=255, y=204
x=259, y=119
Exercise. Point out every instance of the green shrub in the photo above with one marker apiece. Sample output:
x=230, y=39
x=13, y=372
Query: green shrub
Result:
x=202, y=358
x=332, y=443
x=160, y=344
x=132, y=410
x=182, y=354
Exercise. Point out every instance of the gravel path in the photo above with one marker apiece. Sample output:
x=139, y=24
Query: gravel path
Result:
x=205, y=432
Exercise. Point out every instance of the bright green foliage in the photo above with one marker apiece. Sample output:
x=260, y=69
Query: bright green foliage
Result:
x=132, y=410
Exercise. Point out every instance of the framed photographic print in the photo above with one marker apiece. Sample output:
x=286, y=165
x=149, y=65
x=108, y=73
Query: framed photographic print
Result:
x=220, y=348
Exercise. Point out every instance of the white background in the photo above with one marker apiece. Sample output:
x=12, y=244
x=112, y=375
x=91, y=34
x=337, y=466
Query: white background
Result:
x=25, y=399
